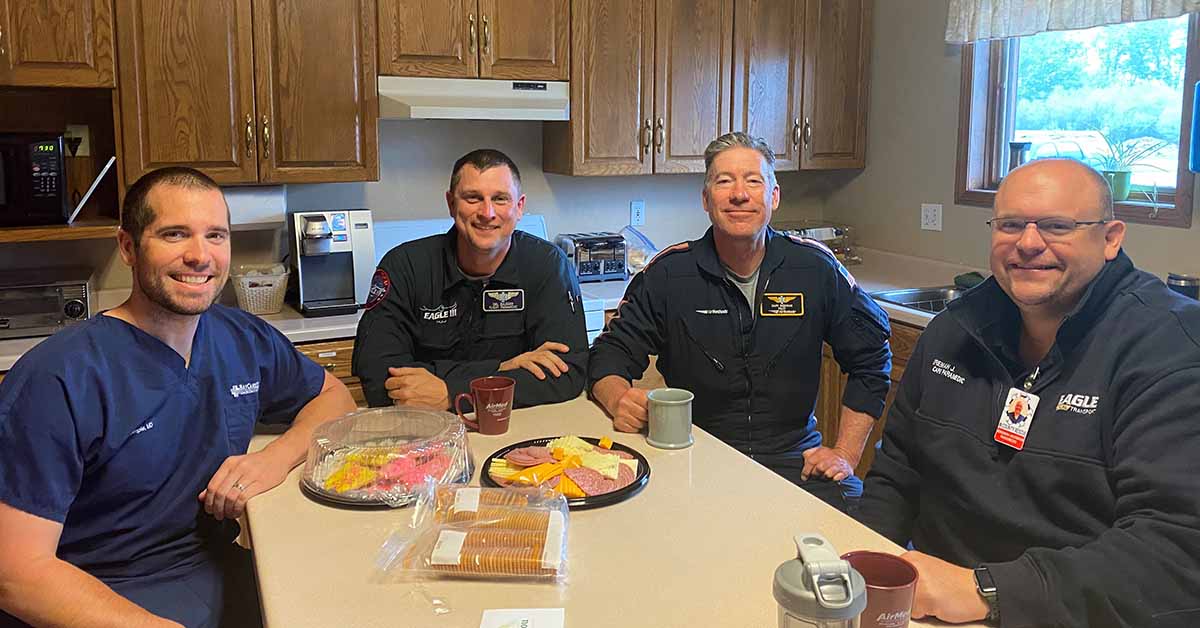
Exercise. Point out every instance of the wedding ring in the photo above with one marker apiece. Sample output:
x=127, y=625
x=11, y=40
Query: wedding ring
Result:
x=239, y=486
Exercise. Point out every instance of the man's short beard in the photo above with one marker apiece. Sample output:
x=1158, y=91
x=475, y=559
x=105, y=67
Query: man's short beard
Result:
x=155, y=290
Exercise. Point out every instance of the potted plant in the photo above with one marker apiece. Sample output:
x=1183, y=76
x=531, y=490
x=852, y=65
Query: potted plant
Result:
x=1117, y=165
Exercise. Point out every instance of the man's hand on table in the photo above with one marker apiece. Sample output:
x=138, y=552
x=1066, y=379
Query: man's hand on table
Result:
x=409, y=386
x=945, y=591
x=240, y=478
x=627, y=406
x=541, y=358
x=829, y=462
x=632, y=411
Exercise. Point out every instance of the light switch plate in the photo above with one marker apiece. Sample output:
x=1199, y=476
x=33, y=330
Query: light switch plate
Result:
x=931, y=216
x=637, y=213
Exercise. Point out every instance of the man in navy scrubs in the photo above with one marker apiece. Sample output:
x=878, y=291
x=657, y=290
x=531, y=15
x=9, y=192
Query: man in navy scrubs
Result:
x=123, y=439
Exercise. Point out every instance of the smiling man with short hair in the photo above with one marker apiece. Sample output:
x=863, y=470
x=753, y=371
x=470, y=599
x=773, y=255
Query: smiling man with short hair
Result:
x=481, y=299
x=123, y=438
x=1041, y=452
x=738, y=317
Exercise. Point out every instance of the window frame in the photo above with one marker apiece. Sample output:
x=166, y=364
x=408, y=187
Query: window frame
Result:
x=985, y=101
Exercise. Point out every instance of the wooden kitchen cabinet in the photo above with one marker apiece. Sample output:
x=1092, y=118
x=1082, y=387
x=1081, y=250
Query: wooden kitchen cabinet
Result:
x=335, y=356
x=837, y=53
x=249, y=91
x=318, y=105
x=56, y=43
x=650, y=87
x=767, y=71
x=833, y=385
x=494, y=39
x=800, y=79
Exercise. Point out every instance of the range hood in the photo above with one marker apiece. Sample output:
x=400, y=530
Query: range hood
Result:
x=402, y=97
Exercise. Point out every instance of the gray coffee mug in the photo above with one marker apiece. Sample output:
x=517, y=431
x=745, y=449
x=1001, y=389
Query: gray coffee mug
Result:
x=670, y=411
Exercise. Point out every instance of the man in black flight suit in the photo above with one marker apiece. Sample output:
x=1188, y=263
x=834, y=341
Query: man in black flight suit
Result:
x=482, y=299
x=738, y=317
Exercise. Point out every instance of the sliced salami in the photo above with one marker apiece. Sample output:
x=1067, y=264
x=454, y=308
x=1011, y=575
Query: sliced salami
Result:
x=589, y=480
x=625, y=477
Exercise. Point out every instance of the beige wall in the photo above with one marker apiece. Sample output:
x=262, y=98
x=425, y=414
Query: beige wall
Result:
x=911, y=151
x=416, y=157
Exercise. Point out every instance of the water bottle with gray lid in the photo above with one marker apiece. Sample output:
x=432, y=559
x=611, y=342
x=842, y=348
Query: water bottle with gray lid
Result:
x=818, y=588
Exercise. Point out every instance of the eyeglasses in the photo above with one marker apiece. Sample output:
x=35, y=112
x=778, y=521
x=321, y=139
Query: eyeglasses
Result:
x=1053, y=227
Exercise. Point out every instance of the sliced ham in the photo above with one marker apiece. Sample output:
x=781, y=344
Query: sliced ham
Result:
x=616, y=452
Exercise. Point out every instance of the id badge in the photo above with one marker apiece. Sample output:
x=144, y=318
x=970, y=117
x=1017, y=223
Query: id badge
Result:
x=1016, y=418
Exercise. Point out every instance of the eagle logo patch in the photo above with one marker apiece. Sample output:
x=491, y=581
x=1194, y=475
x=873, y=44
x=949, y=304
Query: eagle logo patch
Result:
x=381, y=284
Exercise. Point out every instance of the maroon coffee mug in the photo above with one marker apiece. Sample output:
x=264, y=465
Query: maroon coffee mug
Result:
x=891, y=583
x=492, y=397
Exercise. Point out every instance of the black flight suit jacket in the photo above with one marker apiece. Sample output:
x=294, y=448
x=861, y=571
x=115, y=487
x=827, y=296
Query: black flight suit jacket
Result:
x=432, y=316
x=755, y=377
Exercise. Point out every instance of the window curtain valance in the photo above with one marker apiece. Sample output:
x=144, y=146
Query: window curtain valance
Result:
x=971, y=20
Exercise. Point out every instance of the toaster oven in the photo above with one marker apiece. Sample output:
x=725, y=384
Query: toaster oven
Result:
x=596, y=256
x=41, y=302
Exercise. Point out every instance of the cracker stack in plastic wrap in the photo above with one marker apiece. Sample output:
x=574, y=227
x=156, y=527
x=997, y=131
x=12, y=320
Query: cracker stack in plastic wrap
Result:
x=486, y=533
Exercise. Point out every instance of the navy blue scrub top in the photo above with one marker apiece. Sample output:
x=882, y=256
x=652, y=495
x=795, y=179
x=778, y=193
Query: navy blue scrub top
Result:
x=104, y=429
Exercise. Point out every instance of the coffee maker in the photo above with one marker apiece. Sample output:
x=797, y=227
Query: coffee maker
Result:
x=333, y=255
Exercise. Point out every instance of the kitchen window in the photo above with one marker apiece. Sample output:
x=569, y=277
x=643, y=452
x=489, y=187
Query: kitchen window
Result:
x=1116, y=97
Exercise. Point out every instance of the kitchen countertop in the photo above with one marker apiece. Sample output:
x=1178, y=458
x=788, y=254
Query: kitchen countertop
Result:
x=697, y=547
x=880, y=270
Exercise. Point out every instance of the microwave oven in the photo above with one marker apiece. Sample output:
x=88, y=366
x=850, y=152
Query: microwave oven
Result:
x=33, y=180
x=41, y=302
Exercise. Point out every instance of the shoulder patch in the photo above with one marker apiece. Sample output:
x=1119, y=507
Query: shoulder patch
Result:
x=381, y=284
x=820, y=246
x=674, y=248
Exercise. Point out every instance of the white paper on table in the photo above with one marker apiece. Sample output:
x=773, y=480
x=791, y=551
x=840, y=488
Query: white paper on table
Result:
x=523, y=618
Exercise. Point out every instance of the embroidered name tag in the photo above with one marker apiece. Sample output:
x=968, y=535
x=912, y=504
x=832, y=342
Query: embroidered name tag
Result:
x=503, y=300
x=782, y=304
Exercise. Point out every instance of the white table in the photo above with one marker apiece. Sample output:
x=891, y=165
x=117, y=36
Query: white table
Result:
x=697, y=547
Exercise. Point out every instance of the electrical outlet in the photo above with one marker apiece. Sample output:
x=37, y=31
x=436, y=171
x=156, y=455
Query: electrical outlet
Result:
x=931, y=216
x=637, y=213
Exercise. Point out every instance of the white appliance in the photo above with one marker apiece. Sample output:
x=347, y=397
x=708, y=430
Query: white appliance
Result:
x=405, y=97
x=333, y=254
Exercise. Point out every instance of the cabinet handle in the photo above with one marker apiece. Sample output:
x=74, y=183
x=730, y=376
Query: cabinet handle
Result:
x=796, y=133
x=266, y=137
x=646, y=137
x=1, y=41
x=807, y=132
x=329, y=366
x=249, y=135
x=660, y=135
x=471, y=42
x=487, y=37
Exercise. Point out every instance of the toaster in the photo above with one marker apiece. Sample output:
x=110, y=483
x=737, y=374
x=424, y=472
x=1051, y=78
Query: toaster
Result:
x=596, y=256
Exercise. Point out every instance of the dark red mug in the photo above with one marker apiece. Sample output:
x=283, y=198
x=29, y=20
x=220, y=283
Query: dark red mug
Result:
x=492, y=397
x=891, y=583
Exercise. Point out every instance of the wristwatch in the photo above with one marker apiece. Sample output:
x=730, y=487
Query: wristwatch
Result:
x=987, y=590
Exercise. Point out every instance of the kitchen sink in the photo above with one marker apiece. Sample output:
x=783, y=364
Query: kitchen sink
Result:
x=926, y=299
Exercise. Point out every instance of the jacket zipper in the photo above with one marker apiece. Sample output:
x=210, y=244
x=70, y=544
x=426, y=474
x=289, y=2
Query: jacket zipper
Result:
x=688, y=332
x=746, y=364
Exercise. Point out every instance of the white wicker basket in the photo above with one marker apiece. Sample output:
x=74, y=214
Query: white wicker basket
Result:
x=259, y=289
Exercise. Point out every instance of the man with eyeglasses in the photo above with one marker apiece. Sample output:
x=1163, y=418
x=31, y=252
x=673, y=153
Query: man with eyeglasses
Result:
x=1040, y=456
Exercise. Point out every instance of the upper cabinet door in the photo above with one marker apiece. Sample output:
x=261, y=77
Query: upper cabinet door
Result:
x=694, y=54
x=837, y=53
x=437, y=38
x=186, y=87
x=524, y=39
x=318, y=103
x=767, y=74
x=56, y=43
x=612, y=89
